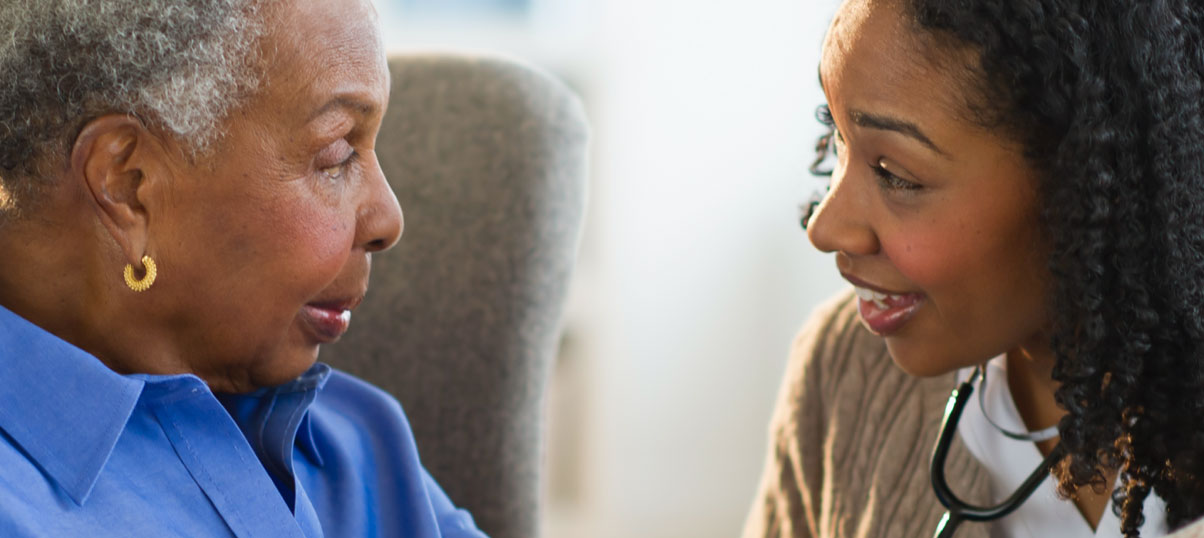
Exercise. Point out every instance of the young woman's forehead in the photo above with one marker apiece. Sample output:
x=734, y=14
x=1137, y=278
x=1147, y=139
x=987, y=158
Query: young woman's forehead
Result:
x=876, y=62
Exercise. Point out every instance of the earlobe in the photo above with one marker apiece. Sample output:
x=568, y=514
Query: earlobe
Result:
x=114, y=159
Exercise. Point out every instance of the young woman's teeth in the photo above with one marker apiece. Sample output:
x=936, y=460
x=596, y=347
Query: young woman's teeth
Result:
x=879, y=299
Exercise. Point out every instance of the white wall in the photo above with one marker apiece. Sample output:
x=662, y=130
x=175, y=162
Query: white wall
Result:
x=694, y=272
x=705, y=124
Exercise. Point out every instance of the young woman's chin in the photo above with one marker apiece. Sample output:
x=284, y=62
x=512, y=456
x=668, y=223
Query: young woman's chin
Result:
x=920, y=360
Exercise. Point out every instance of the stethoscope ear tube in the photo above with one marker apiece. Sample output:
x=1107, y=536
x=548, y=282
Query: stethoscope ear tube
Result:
x=958, y=510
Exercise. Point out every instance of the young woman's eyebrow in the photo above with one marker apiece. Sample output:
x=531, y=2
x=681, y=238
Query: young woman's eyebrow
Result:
x=887, y=123
x=903, y=127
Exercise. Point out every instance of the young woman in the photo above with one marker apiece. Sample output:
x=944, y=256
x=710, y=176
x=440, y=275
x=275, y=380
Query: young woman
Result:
x=1017, y=197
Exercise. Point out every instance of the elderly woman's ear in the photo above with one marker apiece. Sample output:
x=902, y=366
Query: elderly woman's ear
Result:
x=122, y=168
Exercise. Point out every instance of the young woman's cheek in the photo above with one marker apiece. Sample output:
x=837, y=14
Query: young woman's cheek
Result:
x=932, y=255
x=942, y=241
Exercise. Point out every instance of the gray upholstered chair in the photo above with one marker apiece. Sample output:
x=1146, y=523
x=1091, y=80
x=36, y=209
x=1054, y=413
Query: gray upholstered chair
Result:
x=462, y=318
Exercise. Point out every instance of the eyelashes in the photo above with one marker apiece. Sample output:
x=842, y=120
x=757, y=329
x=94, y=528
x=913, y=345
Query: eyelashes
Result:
x=333, y=161
x=891, y=182
x=825, y=146
x=339, y=170
x=824, y=115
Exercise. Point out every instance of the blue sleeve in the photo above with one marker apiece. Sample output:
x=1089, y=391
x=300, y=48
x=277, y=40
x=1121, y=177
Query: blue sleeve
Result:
x=453, y=522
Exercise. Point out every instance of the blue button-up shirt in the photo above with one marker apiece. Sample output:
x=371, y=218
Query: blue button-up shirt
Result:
x=85, y=451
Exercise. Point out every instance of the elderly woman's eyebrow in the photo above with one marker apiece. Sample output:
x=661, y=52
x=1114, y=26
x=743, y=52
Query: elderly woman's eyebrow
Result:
x=357, y=104
x=887, y=123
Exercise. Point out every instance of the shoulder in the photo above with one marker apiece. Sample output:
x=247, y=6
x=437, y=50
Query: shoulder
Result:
x=349, y=401
x=370, y=457
x=830, y=358
x=27, y=497
x=833, y=340
x=353, y=416
x=344, y=388
x=837, y=364
x=1192, y=530
x=852, y=432
x=360, y=435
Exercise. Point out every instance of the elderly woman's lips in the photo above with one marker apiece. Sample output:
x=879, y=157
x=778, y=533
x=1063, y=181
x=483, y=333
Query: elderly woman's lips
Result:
x=326, y=323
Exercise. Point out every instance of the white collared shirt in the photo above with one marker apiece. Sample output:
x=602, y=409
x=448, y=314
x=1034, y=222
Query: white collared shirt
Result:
x=1008, y=462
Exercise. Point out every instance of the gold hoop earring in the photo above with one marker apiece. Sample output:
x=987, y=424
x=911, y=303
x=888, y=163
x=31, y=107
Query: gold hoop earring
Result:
x=147, y=280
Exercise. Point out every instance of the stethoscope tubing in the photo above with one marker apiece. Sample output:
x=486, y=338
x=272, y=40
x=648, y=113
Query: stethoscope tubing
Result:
x=958, y=510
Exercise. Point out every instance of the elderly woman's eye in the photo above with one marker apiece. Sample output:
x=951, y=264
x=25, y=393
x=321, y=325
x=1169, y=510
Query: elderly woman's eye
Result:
x=337, y=171
x=334, y=171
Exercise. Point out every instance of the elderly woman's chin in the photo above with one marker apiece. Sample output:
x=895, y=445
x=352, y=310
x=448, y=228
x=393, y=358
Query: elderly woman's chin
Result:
x=287, y=359
x=287, y=364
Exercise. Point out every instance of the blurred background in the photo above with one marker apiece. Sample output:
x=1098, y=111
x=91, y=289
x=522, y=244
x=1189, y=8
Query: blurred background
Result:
x=694, y=273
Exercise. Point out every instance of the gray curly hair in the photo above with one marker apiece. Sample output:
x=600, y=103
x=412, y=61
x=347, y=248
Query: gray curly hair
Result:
x=178, y=65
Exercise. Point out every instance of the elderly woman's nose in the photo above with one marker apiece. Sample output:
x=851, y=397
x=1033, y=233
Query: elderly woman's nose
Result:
x=841, y=222
x=379, y=221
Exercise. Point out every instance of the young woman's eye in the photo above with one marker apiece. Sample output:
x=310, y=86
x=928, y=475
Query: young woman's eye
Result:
x=892, y=182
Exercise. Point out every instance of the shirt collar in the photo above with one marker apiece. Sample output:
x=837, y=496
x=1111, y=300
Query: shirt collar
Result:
x=279, y=416
x=313, y=380
x=56, y=398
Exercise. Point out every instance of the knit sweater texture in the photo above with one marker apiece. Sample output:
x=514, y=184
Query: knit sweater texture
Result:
x=850, y=441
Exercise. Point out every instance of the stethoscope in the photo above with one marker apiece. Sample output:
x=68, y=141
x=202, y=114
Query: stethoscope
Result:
x=958, y=510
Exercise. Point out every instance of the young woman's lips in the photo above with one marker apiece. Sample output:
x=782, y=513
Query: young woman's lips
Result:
x=327, y=323
x=885, y=312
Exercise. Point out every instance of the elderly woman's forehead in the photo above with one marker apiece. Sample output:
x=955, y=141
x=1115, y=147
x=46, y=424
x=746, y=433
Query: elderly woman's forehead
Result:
x=322, y=27
x=324, y=42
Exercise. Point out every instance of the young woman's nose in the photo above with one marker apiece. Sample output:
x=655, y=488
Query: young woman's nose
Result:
x=841, y=223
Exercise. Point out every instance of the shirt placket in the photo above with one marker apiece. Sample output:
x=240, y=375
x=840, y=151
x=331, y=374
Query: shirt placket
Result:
x=220, y=460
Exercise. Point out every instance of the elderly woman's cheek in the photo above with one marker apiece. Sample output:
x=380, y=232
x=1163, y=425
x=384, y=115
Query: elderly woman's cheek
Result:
x=325, y=244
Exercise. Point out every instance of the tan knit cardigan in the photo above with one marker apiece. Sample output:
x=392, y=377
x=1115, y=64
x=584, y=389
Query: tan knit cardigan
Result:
x=850, y=441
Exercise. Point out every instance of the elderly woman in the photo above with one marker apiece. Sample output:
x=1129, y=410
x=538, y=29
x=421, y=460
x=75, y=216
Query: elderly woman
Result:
x=190, y=204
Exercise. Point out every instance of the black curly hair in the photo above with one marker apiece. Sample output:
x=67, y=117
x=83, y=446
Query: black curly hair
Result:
x=1105, y=97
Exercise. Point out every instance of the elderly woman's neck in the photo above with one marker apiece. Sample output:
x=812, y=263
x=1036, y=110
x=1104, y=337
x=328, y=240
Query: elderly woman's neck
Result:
x=67, y=282
x=47, y=285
